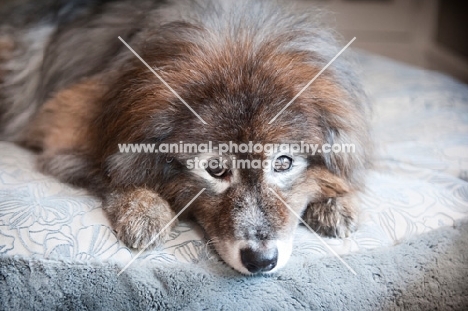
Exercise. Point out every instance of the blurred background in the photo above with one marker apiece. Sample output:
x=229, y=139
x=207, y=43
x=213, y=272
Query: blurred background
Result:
x=432, y=34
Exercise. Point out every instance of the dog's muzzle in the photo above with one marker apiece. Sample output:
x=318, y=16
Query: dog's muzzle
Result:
x=259, y=261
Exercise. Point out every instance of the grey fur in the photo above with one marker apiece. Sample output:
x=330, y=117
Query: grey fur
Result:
x=45, y=60
x=248, y=56
x=22, y=80
x=61, y=66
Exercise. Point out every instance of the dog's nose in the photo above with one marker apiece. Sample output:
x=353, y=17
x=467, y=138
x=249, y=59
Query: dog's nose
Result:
x=259, y=261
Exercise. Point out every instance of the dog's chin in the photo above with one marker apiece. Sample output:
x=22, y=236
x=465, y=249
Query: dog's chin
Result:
x=230, y=252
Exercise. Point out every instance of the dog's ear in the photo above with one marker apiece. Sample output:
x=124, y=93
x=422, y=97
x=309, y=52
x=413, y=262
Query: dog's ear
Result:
x=349, y=154
x=138, y=169
x=337, y=163
x=330, y=159
x=330, y=184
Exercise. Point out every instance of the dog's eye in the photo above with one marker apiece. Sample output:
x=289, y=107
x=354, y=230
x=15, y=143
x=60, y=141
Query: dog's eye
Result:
x=282, y=163
x=216, y=169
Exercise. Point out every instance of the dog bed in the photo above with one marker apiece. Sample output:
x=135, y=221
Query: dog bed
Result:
x=58, y=251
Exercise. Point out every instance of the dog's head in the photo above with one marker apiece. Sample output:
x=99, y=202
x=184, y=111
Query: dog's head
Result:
x=237, y=85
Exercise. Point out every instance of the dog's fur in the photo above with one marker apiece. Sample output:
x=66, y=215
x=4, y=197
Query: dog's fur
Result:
x=72, y=91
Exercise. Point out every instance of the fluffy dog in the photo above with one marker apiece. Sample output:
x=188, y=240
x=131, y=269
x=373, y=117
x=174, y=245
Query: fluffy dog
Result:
x=73, y=92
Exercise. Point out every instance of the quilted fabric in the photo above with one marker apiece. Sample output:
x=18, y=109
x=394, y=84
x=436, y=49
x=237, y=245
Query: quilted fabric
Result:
x=419, y=182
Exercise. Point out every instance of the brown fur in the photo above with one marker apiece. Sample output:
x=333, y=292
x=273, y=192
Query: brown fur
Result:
x=63, y=122
x=138, y=216
x=237, y=84
x=7, y=46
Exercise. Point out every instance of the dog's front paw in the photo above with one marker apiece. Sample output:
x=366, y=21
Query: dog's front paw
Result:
x=334, y=217
x=139, y=217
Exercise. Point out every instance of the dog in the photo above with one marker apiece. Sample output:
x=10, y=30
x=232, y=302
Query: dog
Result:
x=73, y=92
